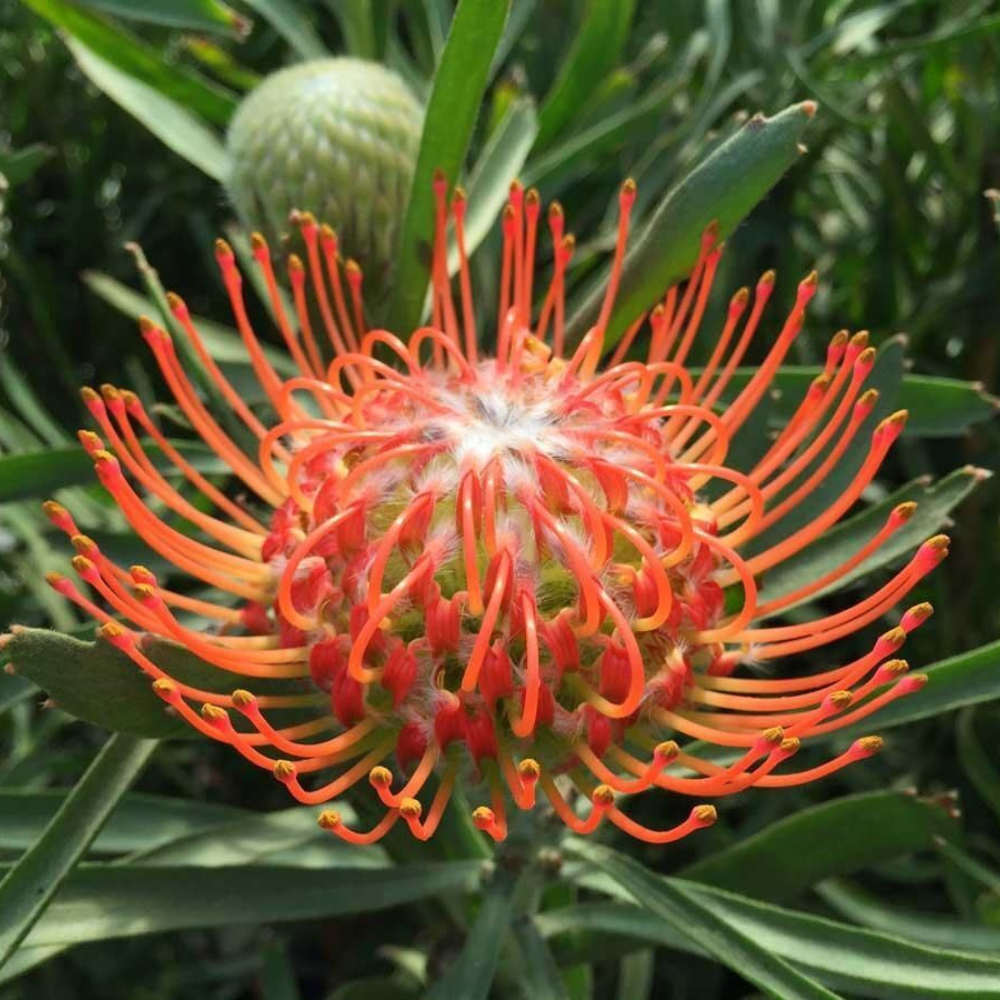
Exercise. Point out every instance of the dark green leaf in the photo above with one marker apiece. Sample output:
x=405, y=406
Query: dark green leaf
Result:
x=201, y=15
x=723, y=189
x=456, y=96
x=289, y=20
x=938, y=407
x=539, y=973
x=471, y=974
x=977, y=763
x=935, y=502
x=594, y=53
x=856, y=831
x=681, y=906
x=18, y=165
x=842, y=957
x=29, y=885
x=39, y=474
x=965, y=679
x=936, y=929
x=138, y=77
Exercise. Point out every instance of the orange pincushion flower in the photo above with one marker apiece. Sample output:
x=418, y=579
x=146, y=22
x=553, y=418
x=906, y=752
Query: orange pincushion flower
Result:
x=505, y=569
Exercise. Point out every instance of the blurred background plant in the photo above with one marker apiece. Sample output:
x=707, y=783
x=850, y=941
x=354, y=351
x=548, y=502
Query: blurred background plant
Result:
x=113, y=135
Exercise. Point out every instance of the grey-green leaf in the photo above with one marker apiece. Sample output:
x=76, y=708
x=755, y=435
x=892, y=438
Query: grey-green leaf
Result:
x=680, y=906
x=29, y=885
x=471, y=974
x=778, y=862
x=723, y=189
x=174, y=125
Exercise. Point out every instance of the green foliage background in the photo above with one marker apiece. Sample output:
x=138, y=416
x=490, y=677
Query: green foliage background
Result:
x=887, y=204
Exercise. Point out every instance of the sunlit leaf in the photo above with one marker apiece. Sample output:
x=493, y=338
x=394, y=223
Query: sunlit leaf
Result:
x=452, y=109
x=173, y=124
x=134, y=73
x=683, y=909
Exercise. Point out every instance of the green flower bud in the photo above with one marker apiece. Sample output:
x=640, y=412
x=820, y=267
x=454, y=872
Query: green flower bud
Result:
x=335, y=137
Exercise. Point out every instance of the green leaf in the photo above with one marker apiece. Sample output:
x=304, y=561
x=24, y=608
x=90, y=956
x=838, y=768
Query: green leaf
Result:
x=780, y=861
x=539, y=973
x=840, y=956
x=635, y=980
x=18, y=165
x=471, y=974
x=139, y=822
x=223, y=342
x=452, y=109
x=680, y=906
x=13, y=690
x=934, y=503
x=40, y=473
x=499, y=163
x=29, y=885
x=99, y=902
x=357, y=24
x=723, y=188
x=601, y=138
x=375, y=988
x=176, y=127
x=289, y=21
x=98, y=683
x=977, y=764
x=965, y=679
x=129, y=71
x=29, y=407
x=201, y=15
x=289, y=835
x=936, y=929
x=596, y=49
x=938, y=407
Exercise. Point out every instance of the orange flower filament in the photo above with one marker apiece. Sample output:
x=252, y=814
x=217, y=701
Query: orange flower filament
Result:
x=521, y=571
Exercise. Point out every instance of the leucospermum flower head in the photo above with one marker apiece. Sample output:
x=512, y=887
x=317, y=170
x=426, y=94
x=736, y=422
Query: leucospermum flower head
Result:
x=523, y=568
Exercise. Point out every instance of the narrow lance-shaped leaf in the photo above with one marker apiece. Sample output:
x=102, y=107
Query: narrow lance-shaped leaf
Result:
x=779, y=862
x=722, y=189
x=130, y=57
x=30, y=885
x=201, y=15
x=454, y=103
x=934, y=503
x=594, y=52
x=39, y=474
x=176, y=127
x=939, y=407
x=499, y=163
x=679, y=906
x=289, y=20
x=471, y=974
x=856, y=960
x=129, y=900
